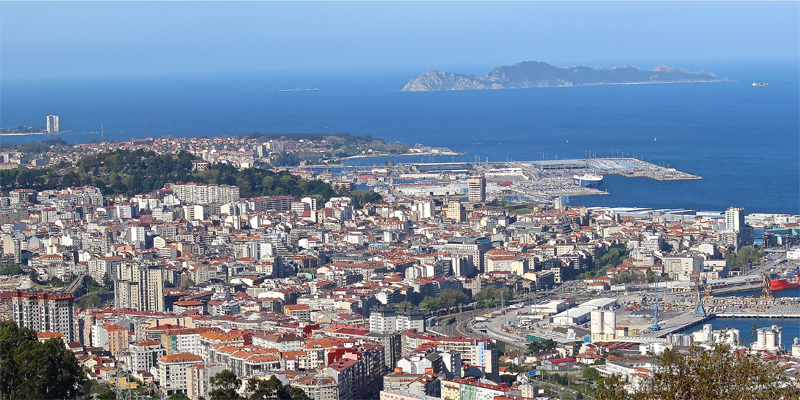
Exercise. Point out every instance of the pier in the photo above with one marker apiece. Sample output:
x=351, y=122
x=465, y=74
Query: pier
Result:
x=677, y=324
x=757, y=315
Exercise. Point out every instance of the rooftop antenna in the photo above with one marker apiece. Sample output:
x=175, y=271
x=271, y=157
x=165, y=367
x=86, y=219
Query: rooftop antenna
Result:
x=656, y=326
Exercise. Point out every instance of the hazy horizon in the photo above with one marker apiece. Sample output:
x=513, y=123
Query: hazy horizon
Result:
x=98, y=40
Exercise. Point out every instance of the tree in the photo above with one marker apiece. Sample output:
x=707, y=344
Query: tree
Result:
x=447, y=298
x=107, y=282
x=537, y=347
x=34, y=370
x=297, y=393
x=178, y=396
x=590, y=374
x=704, y=374
x=273, y=389
x=266, y=389
x=225, y=384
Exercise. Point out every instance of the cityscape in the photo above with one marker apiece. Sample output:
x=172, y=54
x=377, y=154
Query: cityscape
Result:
x=454, y=283
x=327, y=200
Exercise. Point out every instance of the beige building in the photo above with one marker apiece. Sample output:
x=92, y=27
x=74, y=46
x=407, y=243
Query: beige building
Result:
x=318, y=388
x=140, y=287
x=172, y=371
x=455, y=211
x=476, y=189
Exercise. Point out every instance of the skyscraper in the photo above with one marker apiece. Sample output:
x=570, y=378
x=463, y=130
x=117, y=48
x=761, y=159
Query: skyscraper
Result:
x=139, y=287
x=44, y=312
x=734, y=219
x=52, y=123
x=476, y=189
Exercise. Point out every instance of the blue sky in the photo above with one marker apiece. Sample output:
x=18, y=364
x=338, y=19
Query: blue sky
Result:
x=102, y=39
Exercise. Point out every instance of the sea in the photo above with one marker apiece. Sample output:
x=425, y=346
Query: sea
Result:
x=743, y=141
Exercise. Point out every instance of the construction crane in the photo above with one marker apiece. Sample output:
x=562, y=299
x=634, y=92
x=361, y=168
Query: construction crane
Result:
x=699, y=309
x=766, y=293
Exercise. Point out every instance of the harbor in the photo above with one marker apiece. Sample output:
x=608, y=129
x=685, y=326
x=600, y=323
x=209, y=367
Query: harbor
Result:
x=511, y=181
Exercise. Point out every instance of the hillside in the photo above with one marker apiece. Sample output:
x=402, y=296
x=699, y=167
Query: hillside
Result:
x=533, y=74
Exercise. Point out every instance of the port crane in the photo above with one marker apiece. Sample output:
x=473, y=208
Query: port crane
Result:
x=699, y=309
x=656, y=326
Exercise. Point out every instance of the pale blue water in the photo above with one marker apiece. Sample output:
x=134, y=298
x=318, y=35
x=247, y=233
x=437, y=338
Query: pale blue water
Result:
x=743, y=141
x=791, y=327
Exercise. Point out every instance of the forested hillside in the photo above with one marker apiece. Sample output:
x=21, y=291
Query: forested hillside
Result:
x=130, y=173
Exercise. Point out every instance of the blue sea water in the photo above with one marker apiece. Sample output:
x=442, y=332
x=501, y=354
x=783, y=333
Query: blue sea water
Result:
x=743, y=141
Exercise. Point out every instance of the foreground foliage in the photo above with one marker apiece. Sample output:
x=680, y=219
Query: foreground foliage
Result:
x=226, y=383
x=30, y=369
x=716, y=373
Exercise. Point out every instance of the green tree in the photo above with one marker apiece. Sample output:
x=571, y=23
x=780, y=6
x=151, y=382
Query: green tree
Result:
x=491, y=295
x=273, y=389
x=538, y=347
x=445, y=299
x=34, y=370
x=224, y=386
x=107, y=283
x=706, y=374
x=590, y=373
x=178, y=396
x=297, y=393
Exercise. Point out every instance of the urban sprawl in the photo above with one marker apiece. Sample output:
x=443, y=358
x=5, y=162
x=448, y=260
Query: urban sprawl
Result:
x=468, y=281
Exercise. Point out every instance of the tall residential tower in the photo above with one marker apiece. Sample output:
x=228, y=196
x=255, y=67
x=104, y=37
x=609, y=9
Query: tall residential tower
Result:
x=52, y=124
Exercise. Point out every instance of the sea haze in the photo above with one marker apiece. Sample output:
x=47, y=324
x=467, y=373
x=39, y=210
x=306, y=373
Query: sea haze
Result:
x=742, y=140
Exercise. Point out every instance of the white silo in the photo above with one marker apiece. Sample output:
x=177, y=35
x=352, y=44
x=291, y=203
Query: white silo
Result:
x=609, y=322
x=771, y=341
x=596, y=324
x=707, y=333
x=761, y=339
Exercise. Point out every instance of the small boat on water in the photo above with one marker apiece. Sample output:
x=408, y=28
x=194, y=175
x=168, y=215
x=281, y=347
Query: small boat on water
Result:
x=759, y=84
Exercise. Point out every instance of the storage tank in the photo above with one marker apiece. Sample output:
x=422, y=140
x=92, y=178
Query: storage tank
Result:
x=771, y=340
x=597, y=323
x=761, y=340
x=609, y=322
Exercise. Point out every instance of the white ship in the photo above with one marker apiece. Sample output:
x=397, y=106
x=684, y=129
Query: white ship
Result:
x=759, y=84
x=588, y=180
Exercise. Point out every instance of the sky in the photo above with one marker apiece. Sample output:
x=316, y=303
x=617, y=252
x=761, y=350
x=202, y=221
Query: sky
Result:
x=111, y=39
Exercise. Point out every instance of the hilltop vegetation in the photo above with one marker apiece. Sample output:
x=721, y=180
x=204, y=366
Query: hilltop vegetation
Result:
x=337, y=145
x=129, y=173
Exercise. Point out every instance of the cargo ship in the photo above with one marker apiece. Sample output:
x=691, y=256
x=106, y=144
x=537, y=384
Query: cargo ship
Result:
x=782, y=283
x=760, y=84
x=588, y=180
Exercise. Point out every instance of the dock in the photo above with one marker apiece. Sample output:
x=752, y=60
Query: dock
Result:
x=677, y=324
x=756, y=315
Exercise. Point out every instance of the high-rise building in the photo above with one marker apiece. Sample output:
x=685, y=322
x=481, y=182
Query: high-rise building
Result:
x=734, y=219
x=476, y=189
x=52, y=123
x=44, y=312
x=455, y=211
x=140, y=287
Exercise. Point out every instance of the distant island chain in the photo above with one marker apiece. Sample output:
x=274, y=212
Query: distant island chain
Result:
x=534, y=74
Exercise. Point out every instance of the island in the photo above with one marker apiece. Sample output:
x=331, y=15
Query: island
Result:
x=534, y=74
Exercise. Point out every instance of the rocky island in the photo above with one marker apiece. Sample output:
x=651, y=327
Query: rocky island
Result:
x=533, y=74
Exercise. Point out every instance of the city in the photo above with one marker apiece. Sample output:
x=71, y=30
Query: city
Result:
x=459, y=281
